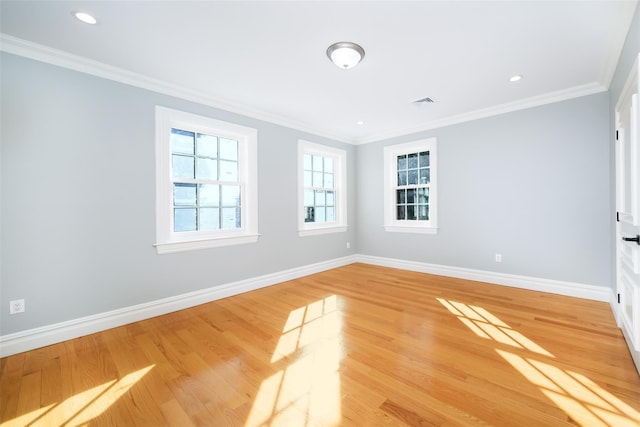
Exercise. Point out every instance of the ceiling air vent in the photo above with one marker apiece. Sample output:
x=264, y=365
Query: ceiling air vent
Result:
x=426, y=100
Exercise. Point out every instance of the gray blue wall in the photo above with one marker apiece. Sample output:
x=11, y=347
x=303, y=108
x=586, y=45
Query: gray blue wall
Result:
x=78, y=200
x=532, y=185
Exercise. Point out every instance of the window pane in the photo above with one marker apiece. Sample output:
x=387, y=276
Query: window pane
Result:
x=184, y=194
x=317, y=179
x=411, y=196
x=413, y=161
x=307, y=162
x=423, y=212
x=402, y=162
x=320, y=199
x=328, y=180
x=307, y=179
x=309, y=214
x=209, y=195
x=183, y=166
x=425, y=176
x=328, y=165
x=181, y=141
x=207, y=145
x=230, y=218
x=423, y=195
x=411, y=212
x=228, y=171
x=230, y=195
x=317, y=163
x=413, y=177
x=331, y=198
x=424, y=159
x=320, y=214
x=207, y=169
x=331, y=214
x=401, y=212
x=228, y=149
x=308, y=198
x=401, y=196
x=184, y=219
x=402, y=178
x=209, y=219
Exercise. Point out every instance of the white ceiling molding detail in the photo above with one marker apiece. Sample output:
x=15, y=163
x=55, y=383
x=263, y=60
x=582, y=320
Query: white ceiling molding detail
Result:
x=59, y=58
x=227, y=55
x=73, y=62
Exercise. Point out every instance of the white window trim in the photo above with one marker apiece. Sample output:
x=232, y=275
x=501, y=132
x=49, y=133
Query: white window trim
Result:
x=340, y=184
x=168, y=241
x=391, y=224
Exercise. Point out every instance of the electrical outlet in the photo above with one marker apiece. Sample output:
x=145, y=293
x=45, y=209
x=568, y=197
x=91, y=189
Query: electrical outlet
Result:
x=498, y=257
x=348, y=245
x=16, y=306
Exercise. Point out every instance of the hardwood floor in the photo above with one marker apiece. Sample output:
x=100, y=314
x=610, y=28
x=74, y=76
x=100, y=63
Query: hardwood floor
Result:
x=355, y=346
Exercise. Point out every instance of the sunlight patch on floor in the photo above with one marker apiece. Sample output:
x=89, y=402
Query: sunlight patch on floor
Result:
x=486, y=325
x=306, y=391
x=81, y=408
x=578, y=396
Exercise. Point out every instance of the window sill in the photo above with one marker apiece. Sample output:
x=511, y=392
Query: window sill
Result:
x=405, y=229
x=323, y=230
x=171, y=247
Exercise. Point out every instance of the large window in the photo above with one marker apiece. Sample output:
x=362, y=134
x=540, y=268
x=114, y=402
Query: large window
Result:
x=410, y=187
x=322, y=189
x=206, y=182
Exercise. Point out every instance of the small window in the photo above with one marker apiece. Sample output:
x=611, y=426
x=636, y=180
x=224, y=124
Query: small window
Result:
x=410, y=187
x=322, y=189
x=206, y=182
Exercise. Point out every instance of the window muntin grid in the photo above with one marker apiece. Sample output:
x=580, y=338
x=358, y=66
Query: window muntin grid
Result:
x=206, y=187
x=413, y=180
x=319, y=189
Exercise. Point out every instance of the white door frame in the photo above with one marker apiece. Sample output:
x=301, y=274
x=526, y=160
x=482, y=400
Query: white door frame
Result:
x=627, y=128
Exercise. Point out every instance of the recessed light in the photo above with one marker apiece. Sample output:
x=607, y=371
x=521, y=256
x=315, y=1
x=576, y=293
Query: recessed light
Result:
x=360, y=122
x=515, y=78
x=85, y=17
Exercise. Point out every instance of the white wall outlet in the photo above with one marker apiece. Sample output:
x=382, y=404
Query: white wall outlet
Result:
x=16, y=306
x=498, y=257
x=348, y=245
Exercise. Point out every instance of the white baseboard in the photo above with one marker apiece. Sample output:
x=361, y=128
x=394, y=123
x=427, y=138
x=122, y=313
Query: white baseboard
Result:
x=591, y=292
x=51, y=334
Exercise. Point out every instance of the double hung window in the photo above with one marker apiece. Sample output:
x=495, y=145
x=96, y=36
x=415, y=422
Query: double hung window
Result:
x=410, y=187
x=322, y=189
x=206, y=182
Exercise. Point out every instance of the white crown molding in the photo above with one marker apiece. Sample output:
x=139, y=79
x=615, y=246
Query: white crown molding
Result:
x=51, y=334
x=70, y=61
x=534, y=101
x=64, y=59
x=39, y=337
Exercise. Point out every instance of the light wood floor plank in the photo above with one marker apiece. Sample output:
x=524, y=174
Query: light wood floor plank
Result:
x=359, y=345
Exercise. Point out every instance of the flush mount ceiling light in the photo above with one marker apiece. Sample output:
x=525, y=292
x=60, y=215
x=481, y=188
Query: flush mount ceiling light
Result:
x=85, y=17
x=345, y=54
x=515, y=78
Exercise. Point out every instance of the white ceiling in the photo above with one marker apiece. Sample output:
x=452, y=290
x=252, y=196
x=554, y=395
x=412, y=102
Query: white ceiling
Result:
x=267, y=59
